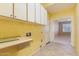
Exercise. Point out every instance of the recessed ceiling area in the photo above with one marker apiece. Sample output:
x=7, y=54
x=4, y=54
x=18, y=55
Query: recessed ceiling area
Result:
x=56, y=7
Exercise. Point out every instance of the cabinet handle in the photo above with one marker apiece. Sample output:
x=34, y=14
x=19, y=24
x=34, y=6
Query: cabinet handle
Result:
x=11, y=15
x=41, y=40
x=15, y=16
x=41, y=32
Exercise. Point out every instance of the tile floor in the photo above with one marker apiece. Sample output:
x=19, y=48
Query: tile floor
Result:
x=60, y=47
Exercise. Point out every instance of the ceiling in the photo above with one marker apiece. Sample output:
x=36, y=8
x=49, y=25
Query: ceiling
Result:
x=52, y=8
x=47, y=4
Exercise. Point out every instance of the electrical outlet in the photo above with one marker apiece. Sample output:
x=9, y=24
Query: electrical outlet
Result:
x=28, y=34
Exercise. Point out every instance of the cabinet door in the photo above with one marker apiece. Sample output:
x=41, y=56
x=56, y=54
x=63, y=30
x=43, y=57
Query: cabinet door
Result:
x=31, y=12
x=6, y=9
x=45, y=17
x=42, y=15
x=20, y=11
x=38, y=18
x=46, y=21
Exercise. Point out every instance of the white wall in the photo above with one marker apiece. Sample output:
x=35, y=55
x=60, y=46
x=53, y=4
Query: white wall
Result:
x=54, y=28
x=46, y=37
x=46, y=32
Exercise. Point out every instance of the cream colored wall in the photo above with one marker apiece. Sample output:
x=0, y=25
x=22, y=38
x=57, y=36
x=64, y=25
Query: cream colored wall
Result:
x=10, y=27
x=77, y=29
x=66, y=13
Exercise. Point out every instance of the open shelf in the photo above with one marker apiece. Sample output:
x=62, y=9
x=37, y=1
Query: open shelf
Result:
x=15, y=42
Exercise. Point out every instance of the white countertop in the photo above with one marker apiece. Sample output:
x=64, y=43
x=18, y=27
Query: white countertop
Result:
x=16, y=42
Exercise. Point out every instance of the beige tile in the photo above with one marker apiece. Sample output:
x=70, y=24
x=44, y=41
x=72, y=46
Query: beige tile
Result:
x=60, y=47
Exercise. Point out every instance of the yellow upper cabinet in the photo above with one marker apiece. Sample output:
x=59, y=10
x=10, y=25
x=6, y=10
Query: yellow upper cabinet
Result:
x=20, y=11
x=6, y=9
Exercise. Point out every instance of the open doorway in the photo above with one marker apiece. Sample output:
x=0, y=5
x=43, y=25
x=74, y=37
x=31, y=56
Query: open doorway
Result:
x=60, y=31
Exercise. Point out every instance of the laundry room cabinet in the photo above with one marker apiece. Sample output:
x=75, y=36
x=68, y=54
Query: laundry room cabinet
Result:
x=31, y=12
x=38, y=13
x=6, y=9
x=20, y=11
x=44, y=17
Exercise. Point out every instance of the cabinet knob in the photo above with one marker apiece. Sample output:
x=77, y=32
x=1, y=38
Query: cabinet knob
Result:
x=11, y=15
x=15, y=16
x=41, y=40
x=41, y=32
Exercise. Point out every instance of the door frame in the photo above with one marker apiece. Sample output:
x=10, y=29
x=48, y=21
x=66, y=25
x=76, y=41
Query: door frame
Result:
x=54, y=20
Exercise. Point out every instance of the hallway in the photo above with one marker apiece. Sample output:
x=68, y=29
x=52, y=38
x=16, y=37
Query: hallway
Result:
x=60, y=47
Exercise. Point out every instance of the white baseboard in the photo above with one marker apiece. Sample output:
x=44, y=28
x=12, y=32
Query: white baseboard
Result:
x=35, y=51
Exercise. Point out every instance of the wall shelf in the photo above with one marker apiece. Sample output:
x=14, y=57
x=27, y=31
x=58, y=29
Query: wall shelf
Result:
x=16, y=42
